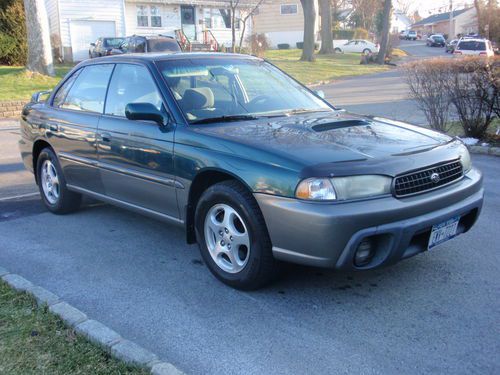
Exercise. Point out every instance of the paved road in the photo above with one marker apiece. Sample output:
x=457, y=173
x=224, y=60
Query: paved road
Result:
x=435, y=313
x=383, y=94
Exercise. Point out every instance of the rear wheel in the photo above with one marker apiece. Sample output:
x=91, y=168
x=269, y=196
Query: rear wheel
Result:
x=338, y=50
x=233, y=237
x=367, y=51
x=52, y=185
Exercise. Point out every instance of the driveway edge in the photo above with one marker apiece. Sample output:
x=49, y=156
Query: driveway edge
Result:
x=485, y=150
x=94, y=331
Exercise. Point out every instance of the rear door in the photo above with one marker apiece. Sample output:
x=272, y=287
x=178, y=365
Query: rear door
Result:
x=136, y=157
x=72, y=124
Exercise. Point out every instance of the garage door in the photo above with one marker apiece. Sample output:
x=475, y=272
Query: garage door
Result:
x=85, y=32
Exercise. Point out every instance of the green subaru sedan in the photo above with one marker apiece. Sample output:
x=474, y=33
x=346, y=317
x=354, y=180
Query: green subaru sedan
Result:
x=257, y=168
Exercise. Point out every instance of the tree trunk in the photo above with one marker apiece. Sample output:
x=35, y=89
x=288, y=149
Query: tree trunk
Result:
x=384, y=40
x=233, y=30
x=38, y=35
x=326, y=28
x=309, y=9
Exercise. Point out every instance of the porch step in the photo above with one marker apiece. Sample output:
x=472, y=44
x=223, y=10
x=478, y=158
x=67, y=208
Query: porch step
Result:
x=200, y=47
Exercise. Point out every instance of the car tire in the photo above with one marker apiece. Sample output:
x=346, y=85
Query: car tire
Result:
x=233, y=238
x=367, y=51
x=338, y=50
x=52, y=185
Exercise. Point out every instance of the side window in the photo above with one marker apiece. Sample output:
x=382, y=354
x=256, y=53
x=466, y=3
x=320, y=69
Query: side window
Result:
x=140, y=46
x=89, y=90
x=64, y=89
x=131, y=84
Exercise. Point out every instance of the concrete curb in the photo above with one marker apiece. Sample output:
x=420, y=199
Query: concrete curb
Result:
x=93, y=330
x=485, y=150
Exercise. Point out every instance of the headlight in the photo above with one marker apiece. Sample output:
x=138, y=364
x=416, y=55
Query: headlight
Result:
x=465, y=160
x=318, y=189
x=355, y=187
x=343, y=188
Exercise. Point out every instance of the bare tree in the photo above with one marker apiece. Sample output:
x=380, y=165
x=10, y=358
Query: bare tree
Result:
x=309, y=10
x=244, y=20
x=37, y=27
x=384, y=40
x=326, y=27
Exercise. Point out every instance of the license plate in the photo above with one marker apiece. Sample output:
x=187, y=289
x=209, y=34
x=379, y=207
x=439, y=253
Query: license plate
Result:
x=443, y=232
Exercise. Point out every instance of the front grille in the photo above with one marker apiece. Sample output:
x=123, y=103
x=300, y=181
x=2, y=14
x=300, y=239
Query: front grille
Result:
x=425, y=179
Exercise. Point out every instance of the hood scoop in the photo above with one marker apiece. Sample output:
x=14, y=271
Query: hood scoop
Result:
x=339, y=124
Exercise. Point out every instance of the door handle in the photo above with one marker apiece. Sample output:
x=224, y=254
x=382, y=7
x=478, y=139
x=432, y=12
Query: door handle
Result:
x=106, y=137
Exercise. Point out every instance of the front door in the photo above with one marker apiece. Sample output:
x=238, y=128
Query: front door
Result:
x=188, y=21
x=136, y=157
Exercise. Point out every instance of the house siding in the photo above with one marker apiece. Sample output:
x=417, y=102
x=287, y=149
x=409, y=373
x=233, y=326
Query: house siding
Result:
x=282, y=28
x=170, y=19
x=96, y=10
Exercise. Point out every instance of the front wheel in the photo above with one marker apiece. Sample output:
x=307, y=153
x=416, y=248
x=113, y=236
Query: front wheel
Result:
x=338, y=50
x=233, y=237
x=366, y=51
x=52, y=185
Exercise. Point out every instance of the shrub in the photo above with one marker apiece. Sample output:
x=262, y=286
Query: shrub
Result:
x=283, y=46
x=471, y=86
x=360, y=33
x=425, y=80
x=473, y=89
x=342, y=34
x=300, y=45
x=13, y=46
x=258, y=44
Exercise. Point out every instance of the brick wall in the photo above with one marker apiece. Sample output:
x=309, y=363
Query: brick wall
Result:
x=9, y=109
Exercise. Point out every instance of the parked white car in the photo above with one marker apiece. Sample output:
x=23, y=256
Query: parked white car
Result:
x=474, y=47
x=358, y=46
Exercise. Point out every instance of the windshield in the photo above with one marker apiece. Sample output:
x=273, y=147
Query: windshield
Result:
x=113, y=42
x=438, y=38
x=163, y=45
x=240, y=88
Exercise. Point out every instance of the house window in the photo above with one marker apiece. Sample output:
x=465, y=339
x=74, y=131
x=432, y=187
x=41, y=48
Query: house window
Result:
x=288, y=9
x=155, y=16
x=144, y=13
x=219, y=18
x=142, y=16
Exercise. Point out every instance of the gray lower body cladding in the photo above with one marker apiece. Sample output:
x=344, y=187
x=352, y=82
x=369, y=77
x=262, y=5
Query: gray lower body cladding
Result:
x=328, y=234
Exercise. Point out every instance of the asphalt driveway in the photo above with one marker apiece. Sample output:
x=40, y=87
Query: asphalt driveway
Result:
x=435, y=313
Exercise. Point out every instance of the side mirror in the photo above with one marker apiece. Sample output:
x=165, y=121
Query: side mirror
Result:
x=38, y=96
x=92, y=44
x=320, y=93
x=146, y=112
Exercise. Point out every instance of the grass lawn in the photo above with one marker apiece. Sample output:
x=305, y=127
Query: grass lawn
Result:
x=17, y=83
x=325, y=68
x=33, y=341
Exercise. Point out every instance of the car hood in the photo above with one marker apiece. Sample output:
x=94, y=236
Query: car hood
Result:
x=335, y=137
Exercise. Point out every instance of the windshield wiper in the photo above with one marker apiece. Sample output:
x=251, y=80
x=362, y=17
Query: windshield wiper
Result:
x=224, y=119
x=304, y=110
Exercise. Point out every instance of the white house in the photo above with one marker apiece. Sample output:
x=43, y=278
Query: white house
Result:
x=399, y=22
x=74, y=24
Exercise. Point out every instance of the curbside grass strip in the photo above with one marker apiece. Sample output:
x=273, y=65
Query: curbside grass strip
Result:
x=485, y=150
x=93, y=330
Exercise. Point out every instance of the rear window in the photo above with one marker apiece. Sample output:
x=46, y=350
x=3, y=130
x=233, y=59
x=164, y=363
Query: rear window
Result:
x=438, y=38
x=163, y=45
x=113, y=42
x=472, y=45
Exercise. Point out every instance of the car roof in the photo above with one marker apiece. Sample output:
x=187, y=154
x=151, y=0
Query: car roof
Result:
x=473, y=40
x=163, y=56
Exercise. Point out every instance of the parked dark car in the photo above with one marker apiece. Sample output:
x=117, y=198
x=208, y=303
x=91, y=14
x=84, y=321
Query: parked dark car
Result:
x=256, y=167
x=105, y=47
x=436, y=41
x=150, y=44
x=450, y=46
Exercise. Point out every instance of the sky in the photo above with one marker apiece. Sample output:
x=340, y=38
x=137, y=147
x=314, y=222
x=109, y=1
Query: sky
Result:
x=428, y=7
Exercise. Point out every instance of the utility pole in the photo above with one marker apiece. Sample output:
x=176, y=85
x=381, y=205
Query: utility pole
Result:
x=450, y=33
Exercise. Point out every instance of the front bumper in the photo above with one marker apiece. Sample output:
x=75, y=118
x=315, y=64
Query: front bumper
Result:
x=327, y=235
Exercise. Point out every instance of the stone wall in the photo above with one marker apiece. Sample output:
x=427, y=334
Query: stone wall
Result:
x=12, y=108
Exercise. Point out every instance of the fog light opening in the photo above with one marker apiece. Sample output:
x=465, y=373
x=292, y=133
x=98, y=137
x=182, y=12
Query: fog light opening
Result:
x=364, y=253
